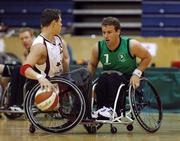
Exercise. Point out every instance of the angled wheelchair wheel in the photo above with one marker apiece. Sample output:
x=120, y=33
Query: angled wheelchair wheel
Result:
x=5, y=97
x=92, y=127
x=68, y=115
x=5, y=103
x=146, y=106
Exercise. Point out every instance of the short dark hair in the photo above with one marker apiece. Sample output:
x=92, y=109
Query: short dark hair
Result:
x=111, y=21
x=28, y=29
x=48, y=15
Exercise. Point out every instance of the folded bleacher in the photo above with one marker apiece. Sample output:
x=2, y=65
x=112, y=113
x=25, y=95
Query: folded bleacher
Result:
x=17, y=13
x=137, y=17
x=161, y=18
x=88, y=15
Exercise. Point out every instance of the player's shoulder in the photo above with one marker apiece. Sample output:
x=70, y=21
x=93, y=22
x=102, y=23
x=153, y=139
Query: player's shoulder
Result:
x=38, y=40
x=134, y=42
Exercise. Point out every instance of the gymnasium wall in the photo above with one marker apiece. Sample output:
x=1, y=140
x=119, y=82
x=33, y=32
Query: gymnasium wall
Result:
x=168, y=49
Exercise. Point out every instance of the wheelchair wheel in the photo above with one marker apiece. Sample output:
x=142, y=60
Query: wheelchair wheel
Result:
x=5, y=103
x=68, y=115
x=1, y=91
x=97, y=126
x=146, y=106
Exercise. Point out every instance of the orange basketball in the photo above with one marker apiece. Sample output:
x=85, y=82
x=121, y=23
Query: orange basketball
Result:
x=46, y=100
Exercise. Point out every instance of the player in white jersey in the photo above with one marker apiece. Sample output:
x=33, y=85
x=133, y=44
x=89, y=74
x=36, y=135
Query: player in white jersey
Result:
x=49, y=56
x=48, y=53
x=53, y=65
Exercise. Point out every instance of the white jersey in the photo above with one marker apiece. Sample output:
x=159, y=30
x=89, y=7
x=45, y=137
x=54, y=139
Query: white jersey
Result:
x=53, y=65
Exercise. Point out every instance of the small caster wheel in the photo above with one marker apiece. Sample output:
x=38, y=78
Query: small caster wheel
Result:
x=32, y=129
x=113, y=130
x=93, y=130
x=130, y=127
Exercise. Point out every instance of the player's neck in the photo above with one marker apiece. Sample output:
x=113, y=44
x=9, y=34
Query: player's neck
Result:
x=47, y=34
x=114, y=45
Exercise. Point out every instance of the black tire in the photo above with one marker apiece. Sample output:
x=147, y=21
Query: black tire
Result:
x=69, y=114
x=113, y=130
x=32, y=129
x=5, y=103
x=130, y=127
x=146, y=106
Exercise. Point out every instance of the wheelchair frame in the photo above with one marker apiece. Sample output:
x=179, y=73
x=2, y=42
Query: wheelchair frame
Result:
x=127, y=117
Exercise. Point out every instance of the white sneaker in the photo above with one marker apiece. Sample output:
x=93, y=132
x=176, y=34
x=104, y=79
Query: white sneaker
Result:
x=95, y=113
x=107, y=112
x=104, y=112
x=16, y=109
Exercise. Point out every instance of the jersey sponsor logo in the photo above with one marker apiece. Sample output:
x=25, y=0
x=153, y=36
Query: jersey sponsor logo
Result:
x=121, y=57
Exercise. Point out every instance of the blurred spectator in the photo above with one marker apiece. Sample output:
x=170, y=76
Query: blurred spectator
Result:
x=26, y=35
x=11, y=70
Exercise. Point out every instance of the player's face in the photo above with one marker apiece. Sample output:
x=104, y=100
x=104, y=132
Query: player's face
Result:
x=110, y=35
x=59, y=25
x=26, y=39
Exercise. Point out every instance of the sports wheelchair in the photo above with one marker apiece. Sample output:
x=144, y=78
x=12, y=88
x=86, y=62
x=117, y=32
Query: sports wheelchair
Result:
x=142, y=104
x=13, y=64
x=5, y=100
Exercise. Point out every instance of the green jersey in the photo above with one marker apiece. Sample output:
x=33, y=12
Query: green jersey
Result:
x=119, y=59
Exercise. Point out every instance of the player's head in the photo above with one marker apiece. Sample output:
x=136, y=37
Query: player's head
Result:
x=111, y=21
x=26, y=35
x=111, y=29
x=52, y=18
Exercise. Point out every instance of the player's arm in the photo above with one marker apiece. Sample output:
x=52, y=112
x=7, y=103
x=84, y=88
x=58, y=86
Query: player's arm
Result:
x=38, y=51
x=139, y=51
x=66, y=58
x=37, y=55
x=94, y=59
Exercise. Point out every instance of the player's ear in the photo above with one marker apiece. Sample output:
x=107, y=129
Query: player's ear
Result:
x=53, y=23
x=119, y=31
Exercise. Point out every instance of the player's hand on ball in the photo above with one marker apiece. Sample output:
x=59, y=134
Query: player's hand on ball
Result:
x=46, y=84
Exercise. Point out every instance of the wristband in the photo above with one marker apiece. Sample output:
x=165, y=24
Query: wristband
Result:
x=24, y=68
x=137, y=72
x=39, y=76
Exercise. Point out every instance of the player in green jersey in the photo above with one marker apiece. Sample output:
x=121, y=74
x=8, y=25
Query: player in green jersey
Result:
x=116, y=52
